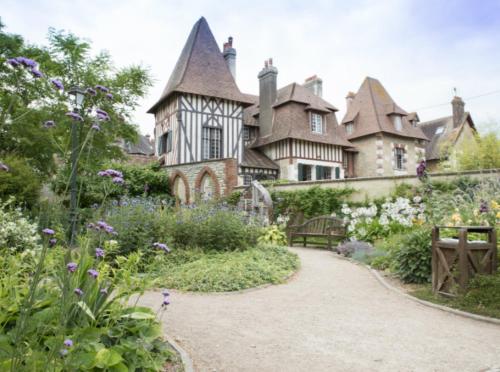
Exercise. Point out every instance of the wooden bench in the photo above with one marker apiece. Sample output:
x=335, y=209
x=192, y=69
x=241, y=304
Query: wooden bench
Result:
x=327, y=227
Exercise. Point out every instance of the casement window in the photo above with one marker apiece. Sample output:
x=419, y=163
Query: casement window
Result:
x=399, y=154
x=305, y=172
x=344, y=160
x=247, y=179
x=246, y=133
x=212, y=143
x=337, y=173
x=323, y=173
x=398, y=122
x=165, y=143
x=316, y=123
x=349, y=128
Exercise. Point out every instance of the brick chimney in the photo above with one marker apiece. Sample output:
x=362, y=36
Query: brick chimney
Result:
x=229, y=54
x=268, y=78
x=348, y=99
x=315, y=85
x=458, y=110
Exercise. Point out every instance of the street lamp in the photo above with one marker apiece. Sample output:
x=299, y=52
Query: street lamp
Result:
x=78, y=95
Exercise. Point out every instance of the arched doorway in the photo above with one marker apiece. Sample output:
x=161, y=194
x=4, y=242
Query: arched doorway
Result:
x=180, y=186
x=206, y=184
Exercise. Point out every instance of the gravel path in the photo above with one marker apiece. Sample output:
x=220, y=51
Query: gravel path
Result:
x=332, y=316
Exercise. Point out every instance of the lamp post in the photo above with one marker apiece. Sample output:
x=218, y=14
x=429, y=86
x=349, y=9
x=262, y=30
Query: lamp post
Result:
x=78, y=96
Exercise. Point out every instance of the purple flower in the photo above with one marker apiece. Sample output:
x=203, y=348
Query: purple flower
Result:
x=162, y=246
x=36, y=74
x=165, y=293
x=101, y=224
x=109, y=96
x=91, y=91
x=71, y=267
x=95, y=127
x=74, y=116
x=118, y=180
x=68, y=343
x=52, y=242
x=48, y=231
x=483, y=207
x=93, y=273
x=78, y=292
x=27, y=62
x=102, y=88
x=165, y=302
x=57, y=83
x=63, y=352
x=109, y=229
x=13, y=62
x=99, y=252
x=4, y=167
x=49, y=124
x=103, y=174
x=421, y=169
x=114, y=173
x=90, y=226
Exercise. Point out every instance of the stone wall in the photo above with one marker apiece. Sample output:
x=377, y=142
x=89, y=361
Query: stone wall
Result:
x=376, y=187
x=223, y=172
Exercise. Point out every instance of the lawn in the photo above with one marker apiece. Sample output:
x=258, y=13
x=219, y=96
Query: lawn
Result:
x=220, y=271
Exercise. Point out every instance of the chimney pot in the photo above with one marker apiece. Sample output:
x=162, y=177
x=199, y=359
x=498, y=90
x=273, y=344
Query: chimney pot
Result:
x=229, y=54
x=267, y=96
x=230, y=41
x=315, y=85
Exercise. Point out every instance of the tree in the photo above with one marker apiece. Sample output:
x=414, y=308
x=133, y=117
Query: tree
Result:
x=481, y=153
x=34, y=104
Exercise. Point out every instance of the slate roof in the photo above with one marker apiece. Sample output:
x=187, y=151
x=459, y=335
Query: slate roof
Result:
x=201, y=69
x=256, y=159
x=370, y=111
x=142, y=147
x=446, y=136
x=291, y=118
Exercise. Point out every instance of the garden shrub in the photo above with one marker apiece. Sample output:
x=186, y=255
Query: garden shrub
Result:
x=19, y=181
x=17, y=233
x=273, y=235
x=212, y=226
x=483, y=291
x=413, y=258
x=311, y=202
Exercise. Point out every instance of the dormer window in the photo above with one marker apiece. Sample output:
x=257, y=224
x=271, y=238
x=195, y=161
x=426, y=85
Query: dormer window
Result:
x=316, y=123
x=398, y=122
x=349, y=128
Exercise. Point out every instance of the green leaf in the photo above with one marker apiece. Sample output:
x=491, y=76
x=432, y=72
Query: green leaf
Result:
x=120, y=367
x=139, y=315
x=86, y=309
x=106, y=358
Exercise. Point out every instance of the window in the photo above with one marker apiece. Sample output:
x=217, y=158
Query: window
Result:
x=246, y=133
x=247, y=179
x=165, y=144
x=399, y=154
x=305, y=172
x=323, y=173
x=316, y=123
x=349, y=128
x=344, y=160
x=398, y=123
x=212, y=143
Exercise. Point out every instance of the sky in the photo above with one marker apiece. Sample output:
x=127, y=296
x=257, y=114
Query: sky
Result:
x=419, y=50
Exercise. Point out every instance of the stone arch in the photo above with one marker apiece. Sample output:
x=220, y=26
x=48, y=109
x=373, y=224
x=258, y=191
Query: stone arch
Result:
x=206, y=174
x=180, y=186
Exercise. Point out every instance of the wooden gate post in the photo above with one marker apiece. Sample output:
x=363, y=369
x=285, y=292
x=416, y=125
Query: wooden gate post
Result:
x=494, y=258
x=463, y=264
x=434, y=262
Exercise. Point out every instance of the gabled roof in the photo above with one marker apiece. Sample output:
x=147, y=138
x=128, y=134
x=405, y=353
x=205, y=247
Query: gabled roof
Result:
x=291, y=118
x=201, y=69
x=142, y=147
x=297, y=93
x=441, y=132
x=371, y=110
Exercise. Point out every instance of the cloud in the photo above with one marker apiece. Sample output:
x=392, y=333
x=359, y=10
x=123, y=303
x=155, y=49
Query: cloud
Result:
x=419, y=50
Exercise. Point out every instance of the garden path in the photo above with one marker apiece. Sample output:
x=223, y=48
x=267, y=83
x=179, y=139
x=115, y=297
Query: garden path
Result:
x=332, y=316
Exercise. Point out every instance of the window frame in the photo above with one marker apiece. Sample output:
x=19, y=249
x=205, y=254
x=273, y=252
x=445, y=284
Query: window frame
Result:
x=399, y=155
x=397, y=120
x=304, y=170
x=314, y=123
x=211, y=139
x=349, y=128
x=246, y=134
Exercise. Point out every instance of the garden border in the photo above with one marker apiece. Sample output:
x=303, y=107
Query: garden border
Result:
x=187, y=362
x=447, y=309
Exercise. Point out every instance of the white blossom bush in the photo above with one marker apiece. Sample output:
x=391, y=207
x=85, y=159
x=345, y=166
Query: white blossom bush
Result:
x=370, y=223
x=17, y=233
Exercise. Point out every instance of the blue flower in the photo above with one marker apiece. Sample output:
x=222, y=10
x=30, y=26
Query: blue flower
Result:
x=49, y=124
x=48, y=231
x=74, y=116
x=57, y=83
